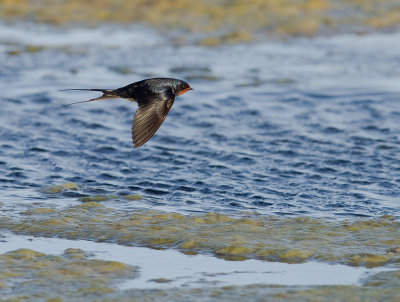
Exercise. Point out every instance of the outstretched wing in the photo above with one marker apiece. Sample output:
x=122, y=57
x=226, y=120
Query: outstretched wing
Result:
x=148, y=118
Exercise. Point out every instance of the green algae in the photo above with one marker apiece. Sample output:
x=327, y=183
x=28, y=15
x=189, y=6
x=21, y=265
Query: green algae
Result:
x=132, y=197
x=380, y=287
x=96, y=198
x=33, y=49
x=59, y=188
x=364, y=242
x=100, y=198
x=220, y=21
x=338, y=293
x=161, y=280
x=36, y=211
x=13, y=52
x=27, y=275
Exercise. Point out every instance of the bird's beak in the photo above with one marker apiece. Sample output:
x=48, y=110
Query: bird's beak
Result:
x=184, y=90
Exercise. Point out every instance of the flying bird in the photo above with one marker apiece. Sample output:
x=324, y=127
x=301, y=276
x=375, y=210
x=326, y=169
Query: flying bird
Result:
x=155, y=98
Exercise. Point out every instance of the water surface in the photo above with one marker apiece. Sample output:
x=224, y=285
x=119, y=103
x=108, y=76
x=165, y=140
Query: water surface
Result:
x=303, y=127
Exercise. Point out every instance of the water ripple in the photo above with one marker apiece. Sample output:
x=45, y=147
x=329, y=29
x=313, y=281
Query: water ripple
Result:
x=311, y=146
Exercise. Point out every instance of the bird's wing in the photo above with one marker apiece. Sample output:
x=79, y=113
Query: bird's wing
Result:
x=148, y=118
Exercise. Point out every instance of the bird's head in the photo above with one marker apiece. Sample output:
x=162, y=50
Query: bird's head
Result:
x=180, y=87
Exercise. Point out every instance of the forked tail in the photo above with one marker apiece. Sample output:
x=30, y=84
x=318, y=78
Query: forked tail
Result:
x=107, y=94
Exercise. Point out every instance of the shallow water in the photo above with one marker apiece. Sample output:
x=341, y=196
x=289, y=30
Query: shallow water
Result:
x=169, y=268
x=305, y=128
x=51, y=274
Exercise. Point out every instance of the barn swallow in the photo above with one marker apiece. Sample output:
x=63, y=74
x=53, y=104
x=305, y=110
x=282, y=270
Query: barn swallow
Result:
x=155, y=98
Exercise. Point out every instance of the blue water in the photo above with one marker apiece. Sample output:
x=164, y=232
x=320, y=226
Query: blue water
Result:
x=302, y=127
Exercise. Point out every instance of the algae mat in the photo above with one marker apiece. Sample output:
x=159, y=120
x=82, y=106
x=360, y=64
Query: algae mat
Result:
x=364, y=242
x=28, y=275
x=219, y=21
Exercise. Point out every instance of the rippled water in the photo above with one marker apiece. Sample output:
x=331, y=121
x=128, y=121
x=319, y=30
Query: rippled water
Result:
x=302, y=127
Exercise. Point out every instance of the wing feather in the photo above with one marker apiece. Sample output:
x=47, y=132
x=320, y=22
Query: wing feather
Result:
x=148, y=118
